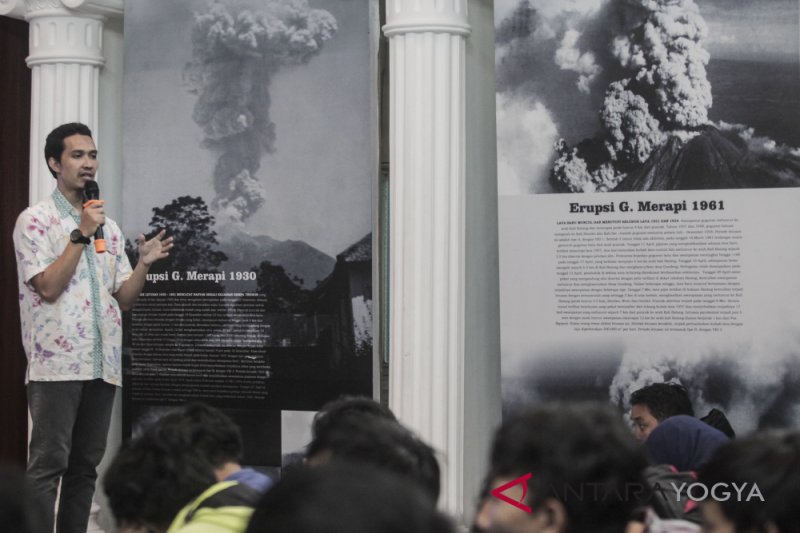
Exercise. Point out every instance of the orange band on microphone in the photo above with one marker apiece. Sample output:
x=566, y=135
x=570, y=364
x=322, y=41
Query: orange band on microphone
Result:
x=100, y=246
x=92, y=202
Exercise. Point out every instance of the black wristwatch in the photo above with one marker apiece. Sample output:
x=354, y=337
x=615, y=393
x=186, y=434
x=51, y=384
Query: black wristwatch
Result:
x=78, y=238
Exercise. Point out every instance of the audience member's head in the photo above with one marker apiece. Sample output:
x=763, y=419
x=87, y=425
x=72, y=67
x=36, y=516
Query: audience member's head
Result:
x=215, y=436
x=585, y=471
x=344, y=407
x=346, y=498
x=153, y=477
x=211, y=432
x=770, y=462
x=365, y=438
x=17, y=510
x=683, y=442
x=654, y=403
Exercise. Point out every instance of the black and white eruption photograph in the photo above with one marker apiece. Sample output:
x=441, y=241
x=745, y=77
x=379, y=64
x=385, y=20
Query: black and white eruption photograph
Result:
x=250, y=137
x=692, y=106
x=647, y=95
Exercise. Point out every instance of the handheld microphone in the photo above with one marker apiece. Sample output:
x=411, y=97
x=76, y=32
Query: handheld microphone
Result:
x=91, y=192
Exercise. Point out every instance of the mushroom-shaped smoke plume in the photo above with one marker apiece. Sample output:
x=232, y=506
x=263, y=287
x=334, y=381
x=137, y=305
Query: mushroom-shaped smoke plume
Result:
x=235, y=57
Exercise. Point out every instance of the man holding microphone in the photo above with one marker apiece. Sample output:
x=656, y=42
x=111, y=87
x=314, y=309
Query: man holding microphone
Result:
x=70, y=298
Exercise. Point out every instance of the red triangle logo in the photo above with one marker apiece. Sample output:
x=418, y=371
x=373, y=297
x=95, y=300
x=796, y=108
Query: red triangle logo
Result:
x=498, y=492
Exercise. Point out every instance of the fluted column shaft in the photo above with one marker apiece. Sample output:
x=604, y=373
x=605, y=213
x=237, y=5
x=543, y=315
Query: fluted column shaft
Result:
x=426, y=233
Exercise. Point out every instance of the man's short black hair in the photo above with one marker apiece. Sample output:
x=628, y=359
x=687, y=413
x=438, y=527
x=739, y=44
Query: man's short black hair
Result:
x=772, y=462
x=364, y=438
x=154, y=476
x=345, y=406
x=581, y=454
x=54, y=144
x=346, y=497
x=210, y=431
x=664, y=400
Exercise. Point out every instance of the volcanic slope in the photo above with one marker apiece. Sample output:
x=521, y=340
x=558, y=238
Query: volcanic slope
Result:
x=713, y=159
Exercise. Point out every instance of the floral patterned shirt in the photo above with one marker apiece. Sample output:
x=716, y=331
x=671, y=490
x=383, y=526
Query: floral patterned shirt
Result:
x=79, y=336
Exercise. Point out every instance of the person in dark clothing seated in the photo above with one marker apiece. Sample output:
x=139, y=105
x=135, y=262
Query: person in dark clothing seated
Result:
x=757, y=479
x=654, y=403
x=344, y=407
x=676, y=448
x=717, y=420
x=213, y=434
x=343, y=497
x=568, y=468
x=360, y=430
x=683, y=442
x=158, y=482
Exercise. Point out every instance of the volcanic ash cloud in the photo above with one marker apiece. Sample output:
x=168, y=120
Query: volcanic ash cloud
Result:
x=569, y=57
x=664, y=92
x=234, y=59
x=555, y=58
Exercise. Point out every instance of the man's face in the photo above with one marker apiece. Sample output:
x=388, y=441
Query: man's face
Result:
x=78, y=163
x=714, y=520
x=496, y=516
x=643, y=421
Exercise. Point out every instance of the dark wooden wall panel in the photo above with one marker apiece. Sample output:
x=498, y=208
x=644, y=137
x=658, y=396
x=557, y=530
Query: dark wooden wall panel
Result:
x=15, y=111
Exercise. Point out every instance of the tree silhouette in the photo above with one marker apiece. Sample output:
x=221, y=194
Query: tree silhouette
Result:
x=188, y=221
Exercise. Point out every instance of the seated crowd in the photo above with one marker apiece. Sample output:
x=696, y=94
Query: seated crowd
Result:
x=554, y=468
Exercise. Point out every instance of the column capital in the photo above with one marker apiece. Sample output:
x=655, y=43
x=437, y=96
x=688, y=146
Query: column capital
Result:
x=435, y=16
x=60, y=36
x=27, y=9
x=106, y=8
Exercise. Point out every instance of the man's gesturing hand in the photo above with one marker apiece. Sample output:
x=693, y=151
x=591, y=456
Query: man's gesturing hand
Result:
x=156, y=248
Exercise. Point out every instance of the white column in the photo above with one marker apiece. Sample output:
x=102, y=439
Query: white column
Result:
x=65, y=60
x=427, y=227
x=66, y=55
